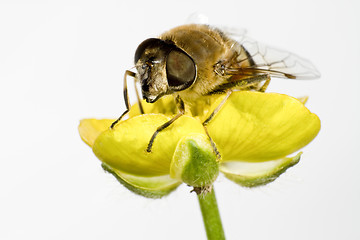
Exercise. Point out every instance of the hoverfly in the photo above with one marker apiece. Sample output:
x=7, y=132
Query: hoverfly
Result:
x=193, y=62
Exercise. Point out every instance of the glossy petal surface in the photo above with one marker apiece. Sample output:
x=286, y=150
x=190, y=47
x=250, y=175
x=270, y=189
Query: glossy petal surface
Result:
x=90, y=129
x=124, y=147
x=254, y=126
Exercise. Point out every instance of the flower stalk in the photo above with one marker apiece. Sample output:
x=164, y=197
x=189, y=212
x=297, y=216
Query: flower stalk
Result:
x=211, y=215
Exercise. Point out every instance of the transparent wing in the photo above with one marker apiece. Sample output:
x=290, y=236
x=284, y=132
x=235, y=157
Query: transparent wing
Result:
x=200, y=18
x=261, y=59
x=236, y=33
x=197, y=18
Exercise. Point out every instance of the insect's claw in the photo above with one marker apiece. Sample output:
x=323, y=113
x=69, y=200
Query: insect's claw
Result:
x=151, y=142
x=218, y=155
x=148, y=149
x=113, y=124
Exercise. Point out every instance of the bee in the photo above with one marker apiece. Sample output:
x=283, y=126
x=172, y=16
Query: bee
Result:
x=193, y=62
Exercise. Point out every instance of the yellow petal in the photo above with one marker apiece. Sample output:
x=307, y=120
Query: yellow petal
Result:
x=151, y=187
x=124, y=147
x=252, y=174
x=90, y=129
x=254, y=126
x=165, y=105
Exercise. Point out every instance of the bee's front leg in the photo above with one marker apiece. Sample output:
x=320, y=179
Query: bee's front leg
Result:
x=181, y=107
x=205, y=123
x=126, y=97
x=141, y=109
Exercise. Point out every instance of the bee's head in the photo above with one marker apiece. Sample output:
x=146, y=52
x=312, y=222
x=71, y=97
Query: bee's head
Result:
x=163, y=68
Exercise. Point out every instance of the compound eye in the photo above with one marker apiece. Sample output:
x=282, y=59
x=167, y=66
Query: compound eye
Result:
x=180, y=70
x=148, y=43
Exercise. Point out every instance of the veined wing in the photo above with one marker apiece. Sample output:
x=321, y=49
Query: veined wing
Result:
x=261, y=59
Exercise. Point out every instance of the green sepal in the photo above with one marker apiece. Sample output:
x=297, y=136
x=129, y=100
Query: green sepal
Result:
x=194, y=161
x=150, y=187
x=253, y=174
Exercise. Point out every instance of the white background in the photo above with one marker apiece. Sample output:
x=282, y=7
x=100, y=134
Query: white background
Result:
x=60, y=62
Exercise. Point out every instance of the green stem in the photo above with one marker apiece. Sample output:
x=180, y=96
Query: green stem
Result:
x=211, y=216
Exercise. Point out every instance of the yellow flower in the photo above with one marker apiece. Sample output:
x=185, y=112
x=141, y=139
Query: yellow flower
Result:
x=254, y=133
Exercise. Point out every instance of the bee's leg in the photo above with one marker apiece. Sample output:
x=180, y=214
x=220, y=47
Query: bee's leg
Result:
x=181, y=107
x=205, y=123
x=141, y=109
x=126, y=98
x=266, y=84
